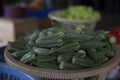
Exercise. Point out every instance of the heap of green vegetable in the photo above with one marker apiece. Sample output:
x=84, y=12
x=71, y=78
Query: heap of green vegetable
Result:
x=79, y=12
x=65, y=47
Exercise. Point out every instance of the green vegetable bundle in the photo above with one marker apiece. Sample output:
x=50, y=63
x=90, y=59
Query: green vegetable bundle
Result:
x=79, y=12
x=64, y=47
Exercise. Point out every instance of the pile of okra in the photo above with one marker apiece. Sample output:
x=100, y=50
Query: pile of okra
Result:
x=64, y=47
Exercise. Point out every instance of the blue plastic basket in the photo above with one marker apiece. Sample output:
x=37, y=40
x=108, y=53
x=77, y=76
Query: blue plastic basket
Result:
x=8, y=73
x=39, y=14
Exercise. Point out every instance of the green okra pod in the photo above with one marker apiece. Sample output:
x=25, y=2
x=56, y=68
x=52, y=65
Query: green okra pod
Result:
x=70, y=47
x=46, y=65
x=66, y=65
x=28, y=58
x=83, y=62
x=33, y=37
x=45, y=58
x=43, y=51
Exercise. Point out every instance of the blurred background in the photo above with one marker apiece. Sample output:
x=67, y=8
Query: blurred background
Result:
x=109, y=6
x=109, y=9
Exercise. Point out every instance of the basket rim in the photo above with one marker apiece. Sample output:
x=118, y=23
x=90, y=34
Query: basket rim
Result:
x=62, y=74
x=53, y=15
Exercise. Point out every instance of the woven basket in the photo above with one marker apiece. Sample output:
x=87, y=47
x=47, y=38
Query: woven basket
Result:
x=49, y=74
x=75, y=22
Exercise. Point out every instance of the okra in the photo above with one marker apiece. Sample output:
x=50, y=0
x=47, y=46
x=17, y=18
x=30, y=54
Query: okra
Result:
x=56, y=29
x=78, y=30
x=93, y=43
x=81, y=53
x=77, y=37
x=45, y=58
x=54, y=49
x=29, y=46
x=16, y=47
x=66, y=65
x=49, y=45
x=41, y=35
x=43, y=51
x=101, y=59
x=65, y=47
x=93, y=53
x=54, y=62
x=54, y=36
x=50, y=33
x=99, y=35
x=83, y=62
x=69, y=47
x=65, y=57
x=33, y=37
x=108, y=53
x=28, y=58
x=110, y=38
x=81, y=36
x=46, y=65
x=19, y=54
x=48, y=42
